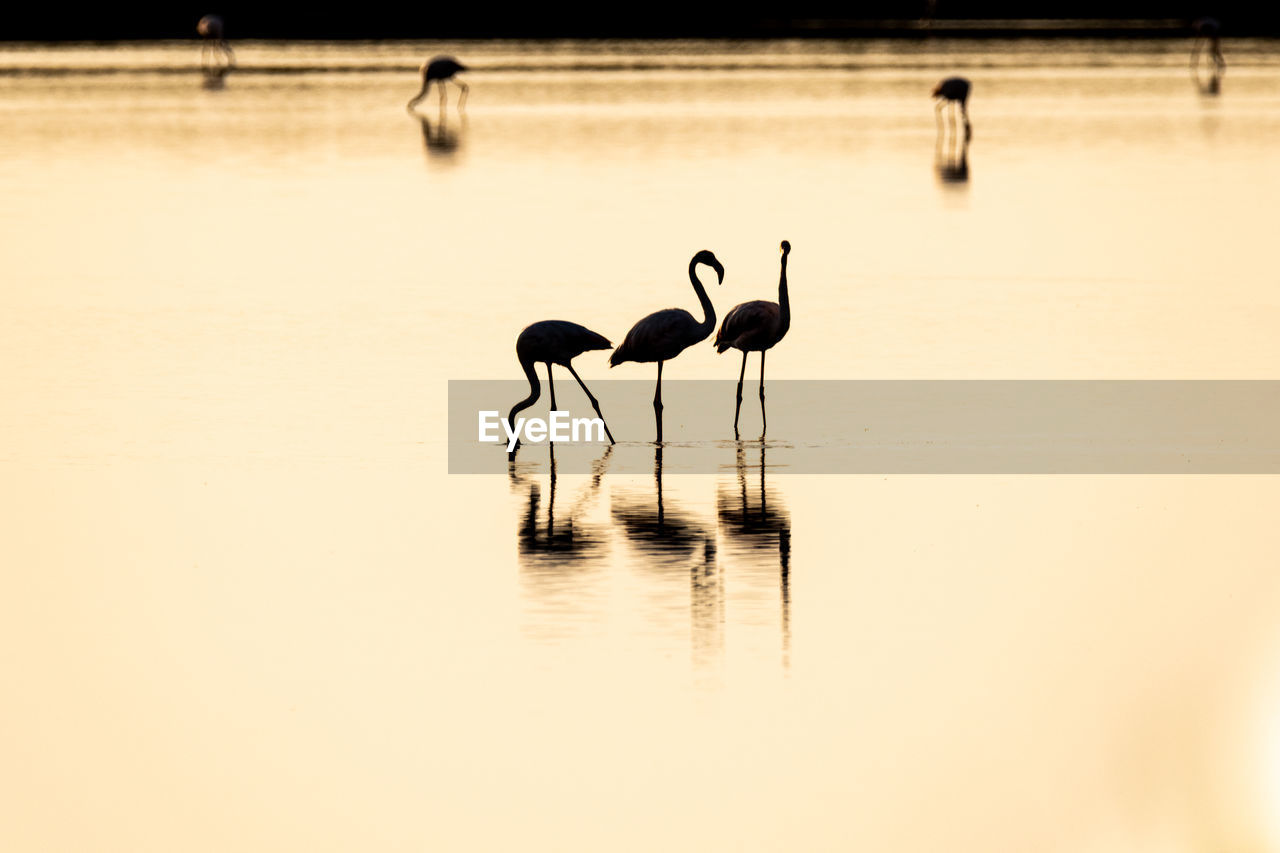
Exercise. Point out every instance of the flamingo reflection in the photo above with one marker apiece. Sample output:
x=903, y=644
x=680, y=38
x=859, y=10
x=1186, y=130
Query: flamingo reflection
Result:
x=669, y=539
x=565, y=540
x=952, y=166
x=439, y=139
x=756, y=525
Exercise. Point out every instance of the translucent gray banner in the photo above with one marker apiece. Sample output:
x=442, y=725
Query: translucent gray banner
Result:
x=894, y=427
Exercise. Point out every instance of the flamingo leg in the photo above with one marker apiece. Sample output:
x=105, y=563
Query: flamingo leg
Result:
x=764, y=421
x=551, y=385
x=462, y=99
x=443, y=93
x=657, y=403
x=595, y=404
x=737, y=407
x=937, y=114
x=968, y=128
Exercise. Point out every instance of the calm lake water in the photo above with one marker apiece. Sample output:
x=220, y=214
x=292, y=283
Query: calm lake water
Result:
x=245, y=607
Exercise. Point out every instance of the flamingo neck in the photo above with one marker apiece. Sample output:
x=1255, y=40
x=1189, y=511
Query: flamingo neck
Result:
x=708, y=323
x=784, y=302
x=535, y=390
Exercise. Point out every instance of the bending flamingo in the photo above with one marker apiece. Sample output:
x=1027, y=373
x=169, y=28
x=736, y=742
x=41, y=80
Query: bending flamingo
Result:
x=755, y=327
x=554, y=342
x=665, y=334
x=953, y=90
x=439, y=70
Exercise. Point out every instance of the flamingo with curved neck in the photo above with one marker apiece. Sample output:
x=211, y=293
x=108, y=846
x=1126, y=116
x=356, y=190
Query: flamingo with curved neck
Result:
x=663, y=335
x=554, y=342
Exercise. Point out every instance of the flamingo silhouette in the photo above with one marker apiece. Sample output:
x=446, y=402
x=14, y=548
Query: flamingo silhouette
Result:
x=755, y=327
x=554, y=342
x=215, y=46
x=1208, y=29
x=665, y=334
x=953, y=90
x=440, y=69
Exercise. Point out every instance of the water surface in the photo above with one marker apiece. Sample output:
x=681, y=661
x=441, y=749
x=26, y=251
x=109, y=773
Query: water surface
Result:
x=246, y=607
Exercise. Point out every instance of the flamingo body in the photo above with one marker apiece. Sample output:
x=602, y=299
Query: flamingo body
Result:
x=660, y=336
x=557, y=342
x=953, y=89
x=751, y=327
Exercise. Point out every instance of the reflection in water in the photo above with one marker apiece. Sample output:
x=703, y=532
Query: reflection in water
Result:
x=758, y=525
x=214, y=78
x=952, y=167
x=439, y=139
x=567, y=540
x=671, y=539
x=1208, y=32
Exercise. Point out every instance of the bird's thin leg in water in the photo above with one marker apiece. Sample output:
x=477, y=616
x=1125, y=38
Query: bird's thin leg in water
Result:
x=737, y=407
x=764, y=421
x=444, y=94
x=937, y=114
x=595, y=404
x=462, y=99
x=552, y=386
x=968, y=128
x=657, y=403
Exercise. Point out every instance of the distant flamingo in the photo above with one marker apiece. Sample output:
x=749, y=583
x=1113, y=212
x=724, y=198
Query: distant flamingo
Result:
x=439, y=70
x=953, y=90
x=1208, y=29
x=215, y=45
x=665, y=334
x=755, y=327
x=554, y=342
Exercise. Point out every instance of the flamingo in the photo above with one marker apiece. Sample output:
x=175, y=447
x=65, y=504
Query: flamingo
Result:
x=953, y=90
x=440, y=69
x=1208, y=29
x=665, y=334
x=756, y=326
x=554, y=342
x=210, y=29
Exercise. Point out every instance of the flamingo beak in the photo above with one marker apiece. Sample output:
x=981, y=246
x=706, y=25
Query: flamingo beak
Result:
x=719, y=273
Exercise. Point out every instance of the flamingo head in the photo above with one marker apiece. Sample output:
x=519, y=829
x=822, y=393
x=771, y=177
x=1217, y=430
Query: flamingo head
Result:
x=705, y=257
x=785, y=248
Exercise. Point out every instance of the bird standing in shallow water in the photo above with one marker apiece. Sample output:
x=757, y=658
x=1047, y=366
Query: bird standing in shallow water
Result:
x=1208, y=29
x=665, y=334
x=554, y=342
x=756, y=326
x=439, y=70
x=216, y=56
x=953, y=90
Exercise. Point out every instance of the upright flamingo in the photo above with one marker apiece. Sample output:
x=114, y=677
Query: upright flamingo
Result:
x=953, y=90
x=755, y=327
x=1208, y=29
x=215, y=45
x=665, y=334
x=439, y=70
x=554, y=342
